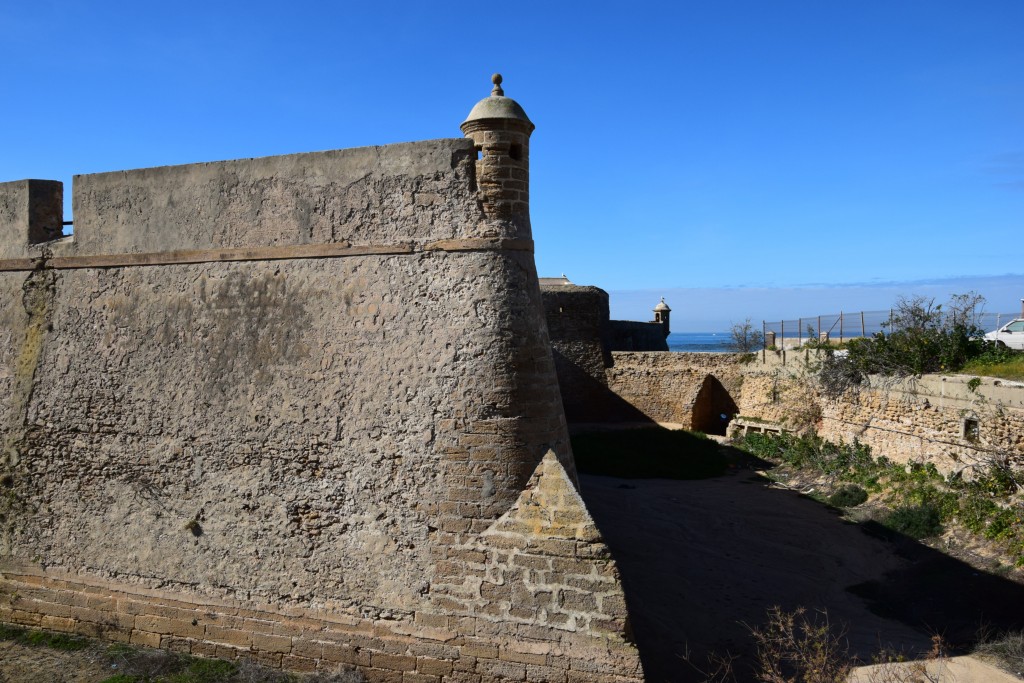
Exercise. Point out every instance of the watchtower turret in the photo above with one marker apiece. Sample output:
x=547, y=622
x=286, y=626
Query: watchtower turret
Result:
x=501, y=130
x=661, y=315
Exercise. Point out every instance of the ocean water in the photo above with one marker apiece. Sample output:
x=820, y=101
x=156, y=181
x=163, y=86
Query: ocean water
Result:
x=707, y=342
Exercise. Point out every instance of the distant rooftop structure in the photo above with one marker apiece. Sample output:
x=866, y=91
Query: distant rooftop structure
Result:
x=554, y=281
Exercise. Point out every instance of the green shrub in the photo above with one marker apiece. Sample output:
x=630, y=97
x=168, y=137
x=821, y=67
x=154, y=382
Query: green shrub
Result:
x=917, y=521
x=848, y=496
x=852, y=462
x=921, y=338
x=11, y=632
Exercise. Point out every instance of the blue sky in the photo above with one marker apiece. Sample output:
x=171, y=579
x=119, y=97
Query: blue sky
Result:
x=810, y=149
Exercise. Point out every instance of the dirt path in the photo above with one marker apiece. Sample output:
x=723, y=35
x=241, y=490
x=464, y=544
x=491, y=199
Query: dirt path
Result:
x=701, y=558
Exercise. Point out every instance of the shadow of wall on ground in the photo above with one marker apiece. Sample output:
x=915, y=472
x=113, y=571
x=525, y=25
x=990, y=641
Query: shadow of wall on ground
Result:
x=587, y=400
x=701, y=560
x=941, y=594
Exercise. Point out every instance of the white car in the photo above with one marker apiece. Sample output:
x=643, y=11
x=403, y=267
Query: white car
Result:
x=1011, y=334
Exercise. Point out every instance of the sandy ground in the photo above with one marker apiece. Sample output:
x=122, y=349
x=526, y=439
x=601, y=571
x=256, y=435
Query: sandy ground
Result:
x=953, y=670
x=700, y=559
x=729, y=549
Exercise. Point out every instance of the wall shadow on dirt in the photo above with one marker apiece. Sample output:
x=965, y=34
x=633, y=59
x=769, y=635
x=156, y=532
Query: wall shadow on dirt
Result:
x=702, y=560
x=941, y=594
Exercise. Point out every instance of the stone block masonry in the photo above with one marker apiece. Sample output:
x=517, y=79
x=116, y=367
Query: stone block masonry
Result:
x=955, y=422
x=288, y=408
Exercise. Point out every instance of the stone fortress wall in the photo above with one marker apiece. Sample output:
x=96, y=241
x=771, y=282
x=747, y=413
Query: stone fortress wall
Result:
x=945, y=420
x=956, y=422
x=297, y=408
x=604, y=380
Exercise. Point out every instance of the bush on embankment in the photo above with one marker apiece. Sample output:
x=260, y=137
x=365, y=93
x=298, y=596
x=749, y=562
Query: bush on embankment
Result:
x=921, y=338
x=919, y=499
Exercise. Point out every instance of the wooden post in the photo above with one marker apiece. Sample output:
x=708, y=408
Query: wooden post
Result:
x=890, y=321
x=764, y=341
x=782, y=344
x=818, y=331
x=800, y=332
x=840, y=327
x=863, y=329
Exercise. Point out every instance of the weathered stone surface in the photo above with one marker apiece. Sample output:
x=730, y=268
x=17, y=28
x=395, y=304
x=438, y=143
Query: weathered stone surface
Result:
x=296, y=456
x=31, y=212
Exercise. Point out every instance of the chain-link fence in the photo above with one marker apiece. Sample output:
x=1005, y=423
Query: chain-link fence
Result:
x=838, y=327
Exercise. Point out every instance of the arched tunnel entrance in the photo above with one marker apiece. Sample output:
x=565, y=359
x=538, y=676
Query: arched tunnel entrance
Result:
x=713, y=408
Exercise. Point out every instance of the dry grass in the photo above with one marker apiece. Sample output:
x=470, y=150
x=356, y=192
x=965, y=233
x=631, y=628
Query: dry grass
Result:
x=805, y=647
x=73, y=657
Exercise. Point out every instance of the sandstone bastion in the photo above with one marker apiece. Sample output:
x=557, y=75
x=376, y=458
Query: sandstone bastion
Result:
x=297, y=408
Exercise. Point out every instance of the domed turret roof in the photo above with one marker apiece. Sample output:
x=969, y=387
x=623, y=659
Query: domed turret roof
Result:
x=662, y=306
x=497, y=106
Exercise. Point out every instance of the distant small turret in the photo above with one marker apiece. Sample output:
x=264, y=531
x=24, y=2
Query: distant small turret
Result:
x=661, y=315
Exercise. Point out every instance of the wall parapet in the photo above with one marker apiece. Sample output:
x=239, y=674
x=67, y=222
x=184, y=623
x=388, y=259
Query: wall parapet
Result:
x=418, y=191
x=31, y=213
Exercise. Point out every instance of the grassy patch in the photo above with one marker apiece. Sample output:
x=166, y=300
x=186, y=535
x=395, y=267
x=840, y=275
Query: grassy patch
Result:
x=1009, y=368
x=917, y=521
x=148, y=665
x=58, y=641
x=651, y=453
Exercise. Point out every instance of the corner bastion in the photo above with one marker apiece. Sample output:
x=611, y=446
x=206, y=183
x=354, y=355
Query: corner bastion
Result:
x=297, y=409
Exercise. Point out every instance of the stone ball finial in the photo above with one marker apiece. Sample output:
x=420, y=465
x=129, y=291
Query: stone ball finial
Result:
x=497, y=91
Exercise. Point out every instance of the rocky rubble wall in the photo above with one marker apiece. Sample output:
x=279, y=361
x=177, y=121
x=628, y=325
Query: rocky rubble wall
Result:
x=918, y=419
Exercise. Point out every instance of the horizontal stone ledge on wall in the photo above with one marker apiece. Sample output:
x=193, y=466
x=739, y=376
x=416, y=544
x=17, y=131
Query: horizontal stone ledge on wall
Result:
x=310, y=251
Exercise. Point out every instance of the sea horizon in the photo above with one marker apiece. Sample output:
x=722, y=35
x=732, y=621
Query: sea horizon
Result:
x=700, y=342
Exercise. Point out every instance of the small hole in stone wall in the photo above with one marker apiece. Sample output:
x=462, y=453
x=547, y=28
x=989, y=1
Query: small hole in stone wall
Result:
x=479, y=153
x=972, y=429
x=516, y=152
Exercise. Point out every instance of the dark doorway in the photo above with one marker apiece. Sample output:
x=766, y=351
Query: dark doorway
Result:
x=713, y=408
